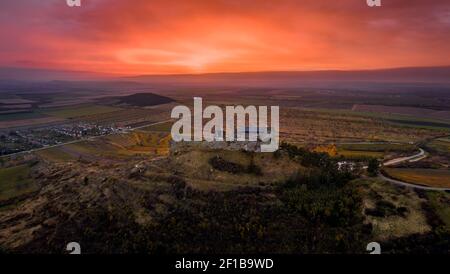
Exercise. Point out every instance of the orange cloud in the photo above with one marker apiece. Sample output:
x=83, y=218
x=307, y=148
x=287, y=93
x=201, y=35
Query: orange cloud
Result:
x=196, y=36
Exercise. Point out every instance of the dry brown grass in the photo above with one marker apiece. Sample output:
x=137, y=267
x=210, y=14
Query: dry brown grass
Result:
x=393, y=226
x=194, y=165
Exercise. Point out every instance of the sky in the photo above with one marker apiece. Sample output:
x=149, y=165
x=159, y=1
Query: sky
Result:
x=202, y=36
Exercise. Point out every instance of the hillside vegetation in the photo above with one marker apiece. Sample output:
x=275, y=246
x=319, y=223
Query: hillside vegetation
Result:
x=293, y=201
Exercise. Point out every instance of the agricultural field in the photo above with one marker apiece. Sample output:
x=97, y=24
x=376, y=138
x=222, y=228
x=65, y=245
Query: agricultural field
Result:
x=347, y=152
x=116, y=146
x=400, y=120
x=359, y=154
x=141, y=142
x=379, y=151
x=36, y=117
x=28, y=121
x=13, y=100
x=20, y=116
x=161, y=127
x=132, y=116
x=407, y=148
x=421, y=176
x=79, y=111
x=325, y=127
x=415, y=112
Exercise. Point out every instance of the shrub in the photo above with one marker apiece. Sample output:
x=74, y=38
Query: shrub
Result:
x=254, y=169
x=221, y=164
x=373, y=167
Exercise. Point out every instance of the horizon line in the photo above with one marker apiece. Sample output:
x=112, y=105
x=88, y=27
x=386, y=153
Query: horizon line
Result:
x=125, y=75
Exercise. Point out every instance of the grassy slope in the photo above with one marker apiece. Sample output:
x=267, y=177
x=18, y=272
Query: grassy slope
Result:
x=440, y=201
x=55, y=155
x=388, y=227
x=14, y=182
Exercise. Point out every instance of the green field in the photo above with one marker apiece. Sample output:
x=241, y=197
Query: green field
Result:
x=15, y=181
x=79, y=111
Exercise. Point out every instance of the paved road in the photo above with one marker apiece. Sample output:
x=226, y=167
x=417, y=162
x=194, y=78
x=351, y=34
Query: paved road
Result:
x=79, y=140
x=414, y=158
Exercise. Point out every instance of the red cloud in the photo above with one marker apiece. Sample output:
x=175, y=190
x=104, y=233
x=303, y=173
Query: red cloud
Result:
x=142, y=36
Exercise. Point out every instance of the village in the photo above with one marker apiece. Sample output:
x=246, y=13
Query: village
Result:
x=16, y=141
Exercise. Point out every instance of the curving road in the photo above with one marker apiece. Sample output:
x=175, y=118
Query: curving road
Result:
x=401, y=183
x=414, y=158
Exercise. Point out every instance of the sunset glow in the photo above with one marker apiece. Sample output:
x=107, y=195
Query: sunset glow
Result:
x=157, y=37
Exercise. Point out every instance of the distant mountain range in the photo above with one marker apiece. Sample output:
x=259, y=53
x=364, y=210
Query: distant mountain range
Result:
x=36, y=74
x=412, y=74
